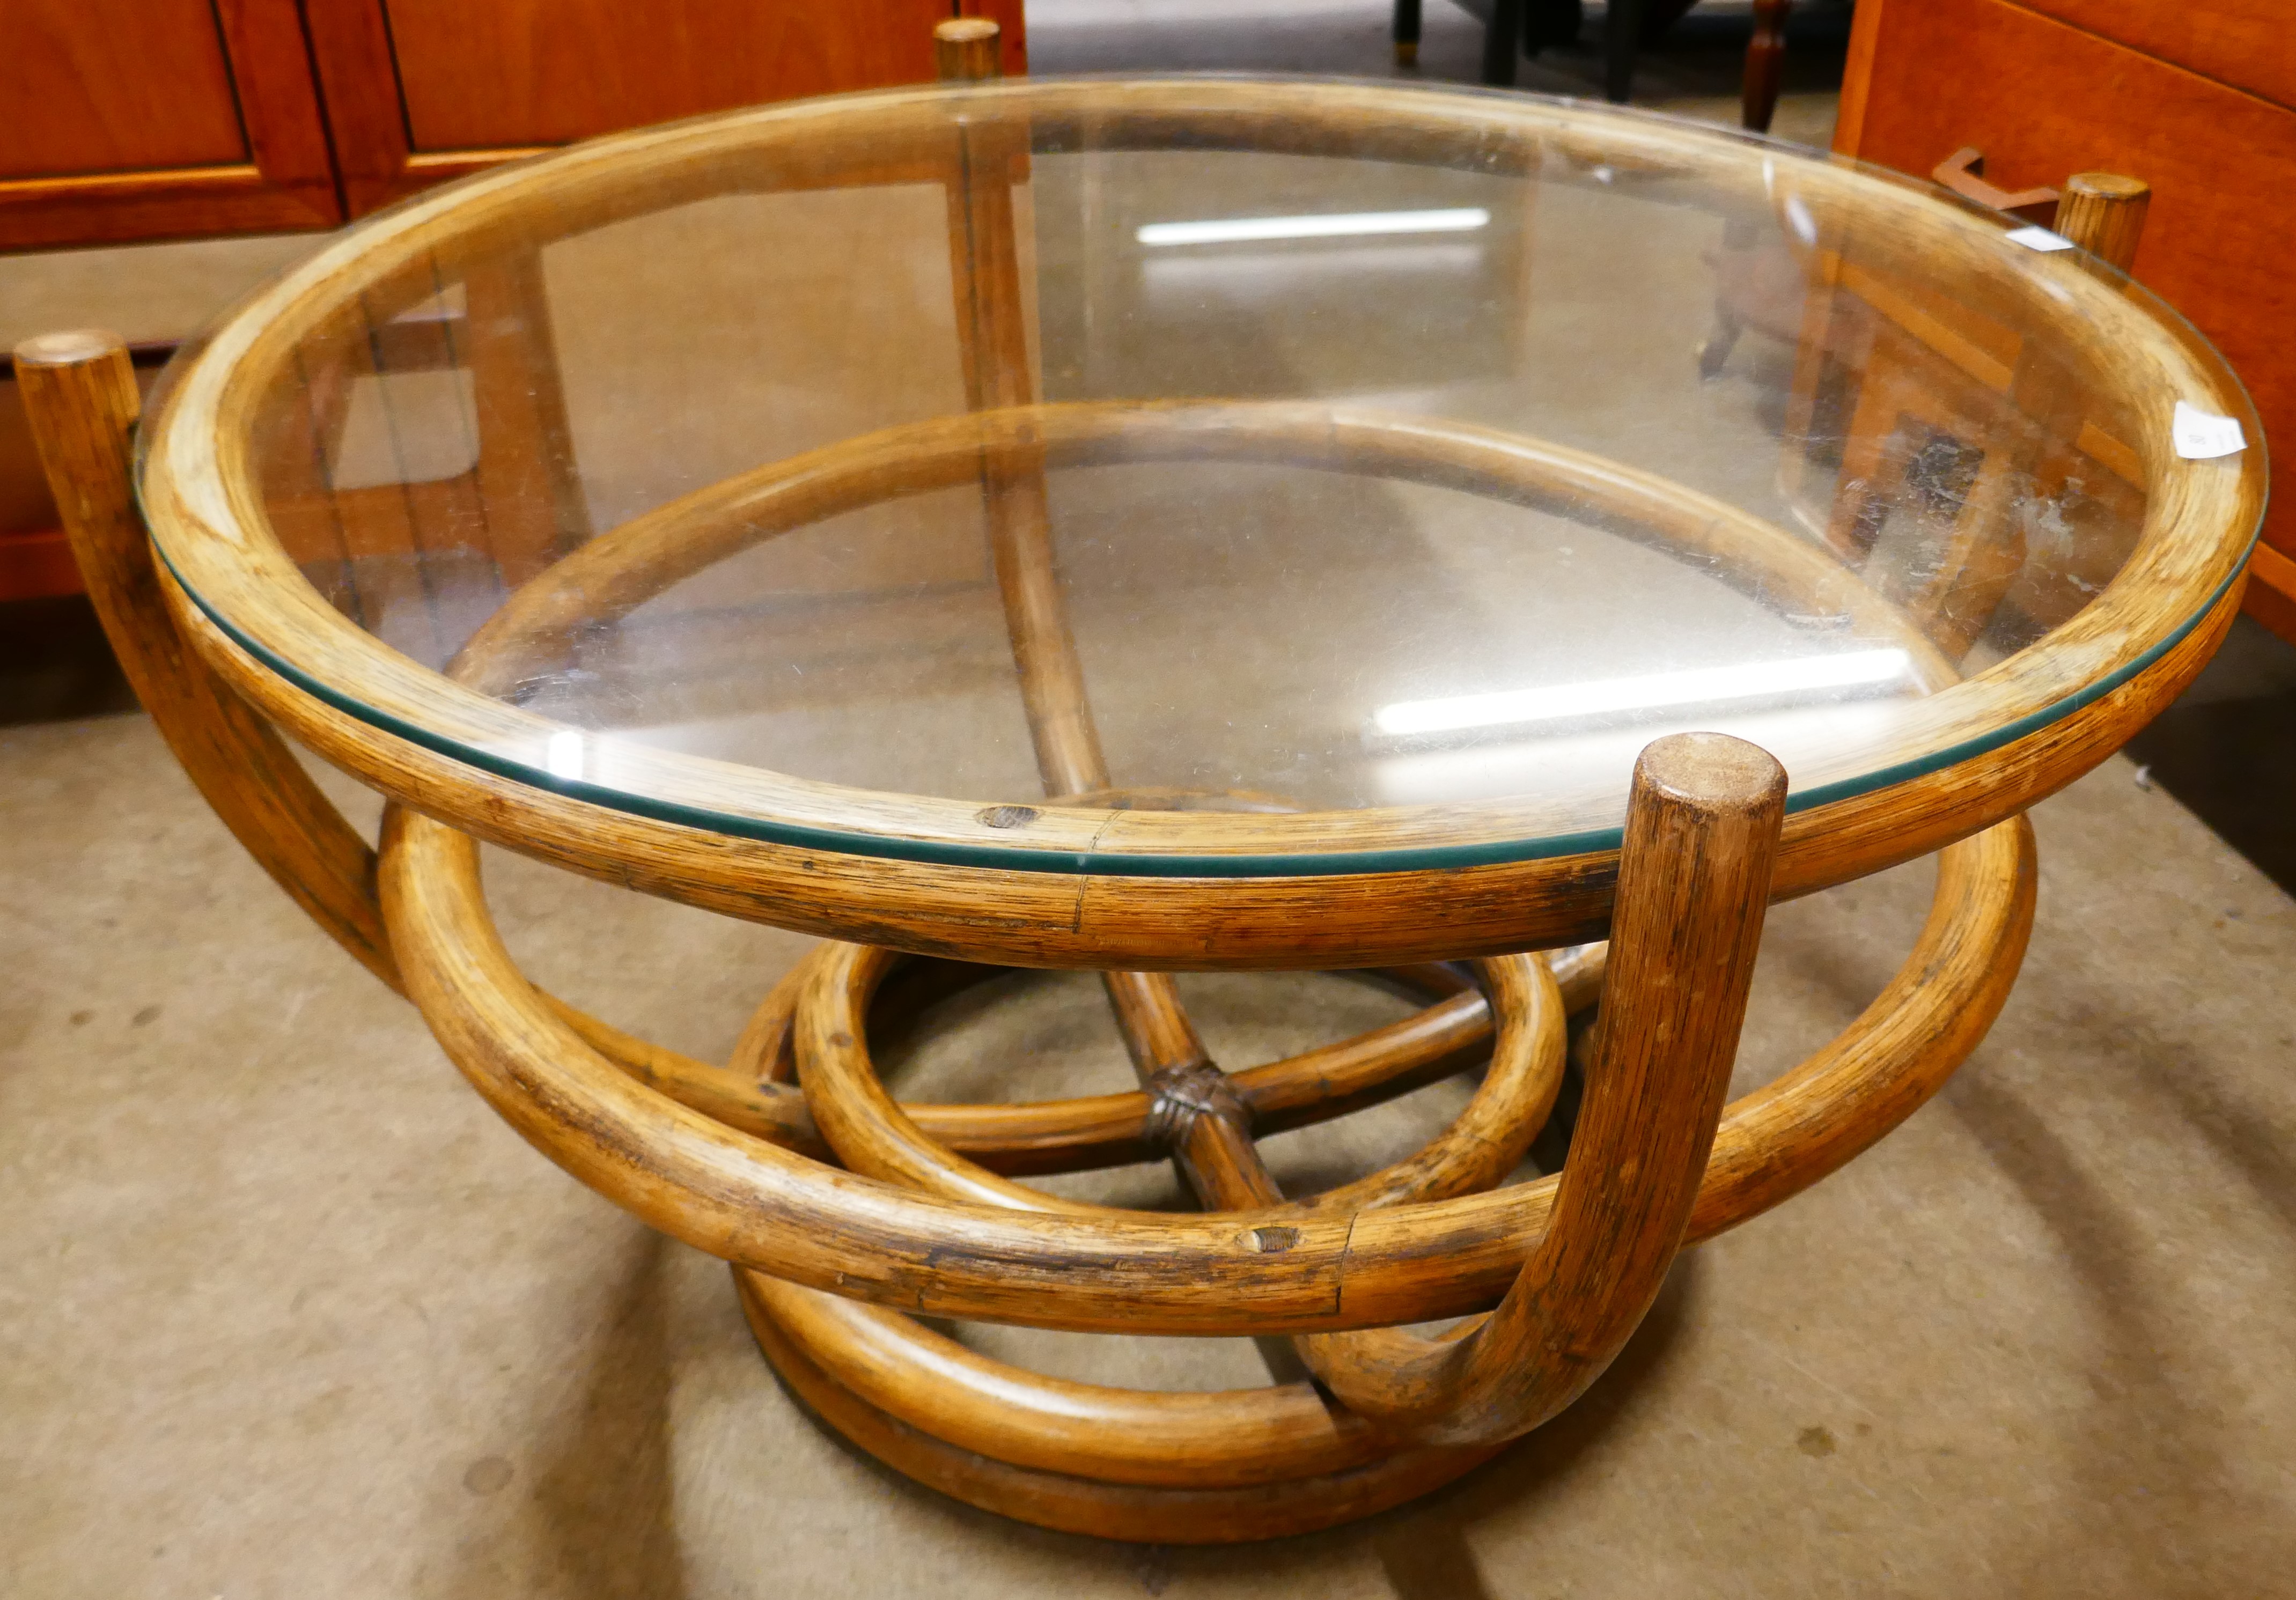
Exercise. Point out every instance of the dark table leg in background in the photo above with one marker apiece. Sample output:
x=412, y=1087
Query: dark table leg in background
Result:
x=1503, y=42
x=1766, y=58
x=1622, y=31
x=1406, y=33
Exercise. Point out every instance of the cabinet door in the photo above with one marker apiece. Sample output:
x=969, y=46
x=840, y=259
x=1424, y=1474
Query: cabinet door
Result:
x=419, y=91
x=126, y=119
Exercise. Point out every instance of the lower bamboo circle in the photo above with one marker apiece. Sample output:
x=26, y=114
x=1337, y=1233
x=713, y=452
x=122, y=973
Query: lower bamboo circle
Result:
x=1176, y=1467
x=875, y=1135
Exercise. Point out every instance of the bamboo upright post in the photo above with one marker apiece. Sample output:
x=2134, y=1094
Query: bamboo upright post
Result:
x=1199, y=1117
x=2104, y=213
x=966, y=49
x=81, y=401
x=992, y=332
x=536, y=508
x=1702, y=825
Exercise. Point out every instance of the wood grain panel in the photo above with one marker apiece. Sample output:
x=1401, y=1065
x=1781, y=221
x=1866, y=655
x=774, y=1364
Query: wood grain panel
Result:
x=2043, y=101
x=118, y=121
x=544, y=71
x=112, y=86
x=479, y=93
x=127, y=207
x=2248, y=44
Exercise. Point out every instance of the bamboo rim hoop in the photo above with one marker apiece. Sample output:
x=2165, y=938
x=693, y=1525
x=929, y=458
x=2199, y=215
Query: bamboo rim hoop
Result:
x=303, y=661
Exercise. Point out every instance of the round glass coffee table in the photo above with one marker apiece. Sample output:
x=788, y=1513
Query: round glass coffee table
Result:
x=1184, y=524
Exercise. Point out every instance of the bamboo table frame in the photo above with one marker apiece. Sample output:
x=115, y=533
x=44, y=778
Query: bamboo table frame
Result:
x=846, y=1215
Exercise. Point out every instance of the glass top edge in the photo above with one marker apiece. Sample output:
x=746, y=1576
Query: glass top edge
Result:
x=1337, y=862
x=1143, y=863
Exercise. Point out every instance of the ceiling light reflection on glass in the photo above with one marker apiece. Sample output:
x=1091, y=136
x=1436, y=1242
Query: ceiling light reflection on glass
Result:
x=1241, y=230
x=564, y=754
x=1702, y=685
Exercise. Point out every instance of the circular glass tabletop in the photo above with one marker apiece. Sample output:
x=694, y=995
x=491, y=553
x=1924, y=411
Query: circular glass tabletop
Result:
x=1195, y=476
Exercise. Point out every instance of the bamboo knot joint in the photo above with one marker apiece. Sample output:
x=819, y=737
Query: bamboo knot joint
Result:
x=1179, y=1095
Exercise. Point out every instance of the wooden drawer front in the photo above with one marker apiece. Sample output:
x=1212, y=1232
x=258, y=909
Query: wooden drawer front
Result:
x=2248, y=44
x=525, y=73
x=421, y=91
x=2044, y=101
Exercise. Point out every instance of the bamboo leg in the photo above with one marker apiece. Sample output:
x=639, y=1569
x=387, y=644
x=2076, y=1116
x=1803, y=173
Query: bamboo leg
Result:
x=2103, y=214
x=534, y=503
x=1703, y=824
x=992, y=332
x=1207, y=1127
x=80, y=398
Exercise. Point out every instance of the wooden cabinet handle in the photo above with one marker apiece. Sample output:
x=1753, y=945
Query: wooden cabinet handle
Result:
x=1962, y=171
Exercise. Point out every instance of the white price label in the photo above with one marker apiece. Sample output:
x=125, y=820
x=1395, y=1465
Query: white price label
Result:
x=2037, y=237
x=2202, y=435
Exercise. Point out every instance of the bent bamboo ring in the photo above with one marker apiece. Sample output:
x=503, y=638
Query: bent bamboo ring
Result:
x=751, y=1202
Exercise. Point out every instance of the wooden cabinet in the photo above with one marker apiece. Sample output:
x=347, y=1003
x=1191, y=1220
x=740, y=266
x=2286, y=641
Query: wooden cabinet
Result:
x=422, y=90
x=2199, y=99
x=126, y=120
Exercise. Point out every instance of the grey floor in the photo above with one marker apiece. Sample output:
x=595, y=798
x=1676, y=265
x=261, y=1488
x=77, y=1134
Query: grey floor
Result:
x=285, y=1311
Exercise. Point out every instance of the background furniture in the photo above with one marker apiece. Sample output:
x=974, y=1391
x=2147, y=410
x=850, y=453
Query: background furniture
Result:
x=131, y=119
x=2198, y=101
x=418, y=91
x=1512, y=28
x=155, y=118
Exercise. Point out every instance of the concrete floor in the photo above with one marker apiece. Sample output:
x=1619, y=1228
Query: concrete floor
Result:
x=288, y=1312
x=285, y=1311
